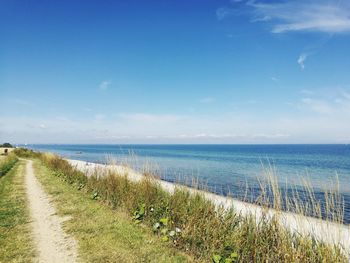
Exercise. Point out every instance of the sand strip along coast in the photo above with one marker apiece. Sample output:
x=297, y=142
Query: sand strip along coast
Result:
x=328, y=232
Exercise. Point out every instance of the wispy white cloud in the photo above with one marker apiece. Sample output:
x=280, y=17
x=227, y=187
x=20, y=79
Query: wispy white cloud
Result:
x=105, y=84
x=270, y=136
x=309, y=15
x=226, y=128
x=150, y=118
x=315, y=110
x=62, y=118
x=300, y=15
x=230, y=136
x=87, y=109
x=22, y=102
x=335, y=103
x=206, y=100
x=152, y=136
x=261, y=19
x=252, y=101
x=112, y=137
x=301, y=60
x=346, y=95
x=306, y=92
x=317, y=105
x=223, y=12
x=215, y=136
x=200, y=136
x=99, y=117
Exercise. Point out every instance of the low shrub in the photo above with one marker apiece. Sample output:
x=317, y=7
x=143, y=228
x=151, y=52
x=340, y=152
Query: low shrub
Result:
x=25, y=153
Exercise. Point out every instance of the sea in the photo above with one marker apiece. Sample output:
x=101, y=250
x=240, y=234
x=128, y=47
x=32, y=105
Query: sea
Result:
x=234, y=170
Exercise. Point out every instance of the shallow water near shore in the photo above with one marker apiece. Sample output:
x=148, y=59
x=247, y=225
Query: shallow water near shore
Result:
x=228, y=169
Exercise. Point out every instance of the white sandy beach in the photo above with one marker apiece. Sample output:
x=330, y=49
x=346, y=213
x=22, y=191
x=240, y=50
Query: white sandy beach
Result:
x=328, y=232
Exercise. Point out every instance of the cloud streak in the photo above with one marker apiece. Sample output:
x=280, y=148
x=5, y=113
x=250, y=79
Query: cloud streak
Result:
x=301, y=60
x=318, y=106
x=22, y=102
x=301, y=15
x=313, y=111
x=150, y=118
x=105, y=84
x=337, y=104
x=223, y=12
x=206, y=100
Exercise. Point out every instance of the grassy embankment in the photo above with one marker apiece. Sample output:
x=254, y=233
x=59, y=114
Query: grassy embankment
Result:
x=103, y=235
x=16, y=244
x=186, y=222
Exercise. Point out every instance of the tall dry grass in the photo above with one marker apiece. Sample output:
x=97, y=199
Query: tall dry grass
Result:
x=193, y=224
x=301, y=199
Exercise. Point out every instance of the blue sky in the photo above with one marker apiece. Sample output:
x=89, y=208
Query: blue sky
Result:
x=175, y=71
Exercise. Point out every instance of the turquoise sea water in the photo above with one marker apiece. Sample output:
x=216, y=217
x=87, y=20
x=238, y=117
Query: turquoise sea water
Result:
x=228, y=169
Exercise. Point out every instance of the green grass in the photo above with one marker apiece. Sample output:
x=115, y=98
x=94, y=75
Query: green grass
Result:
x=16, y=244
x=103, y=234
x=6, y=163
x=183, y=221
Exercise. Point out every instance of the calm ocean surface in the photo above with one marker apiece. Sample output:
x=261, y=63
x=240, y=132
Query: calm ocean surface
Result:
x=228, y=168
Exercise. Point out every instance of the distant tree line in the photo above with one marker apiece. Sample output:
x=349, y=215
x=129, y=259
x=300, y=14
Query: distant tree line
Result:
x=6, y=145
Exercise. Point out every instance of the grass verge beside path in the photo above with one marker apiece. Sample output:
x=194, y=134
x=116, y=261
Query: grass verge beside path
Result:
x=103, y=234
x=16, y=244
x=6, y=163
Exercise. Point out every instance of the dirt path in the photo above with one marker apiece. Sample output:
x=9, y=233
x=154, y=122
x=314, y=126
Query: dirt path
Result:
x=53, y=245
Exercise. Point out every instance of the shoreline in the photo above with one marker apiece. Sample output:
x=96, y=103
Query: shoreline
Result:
x=328, y=232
